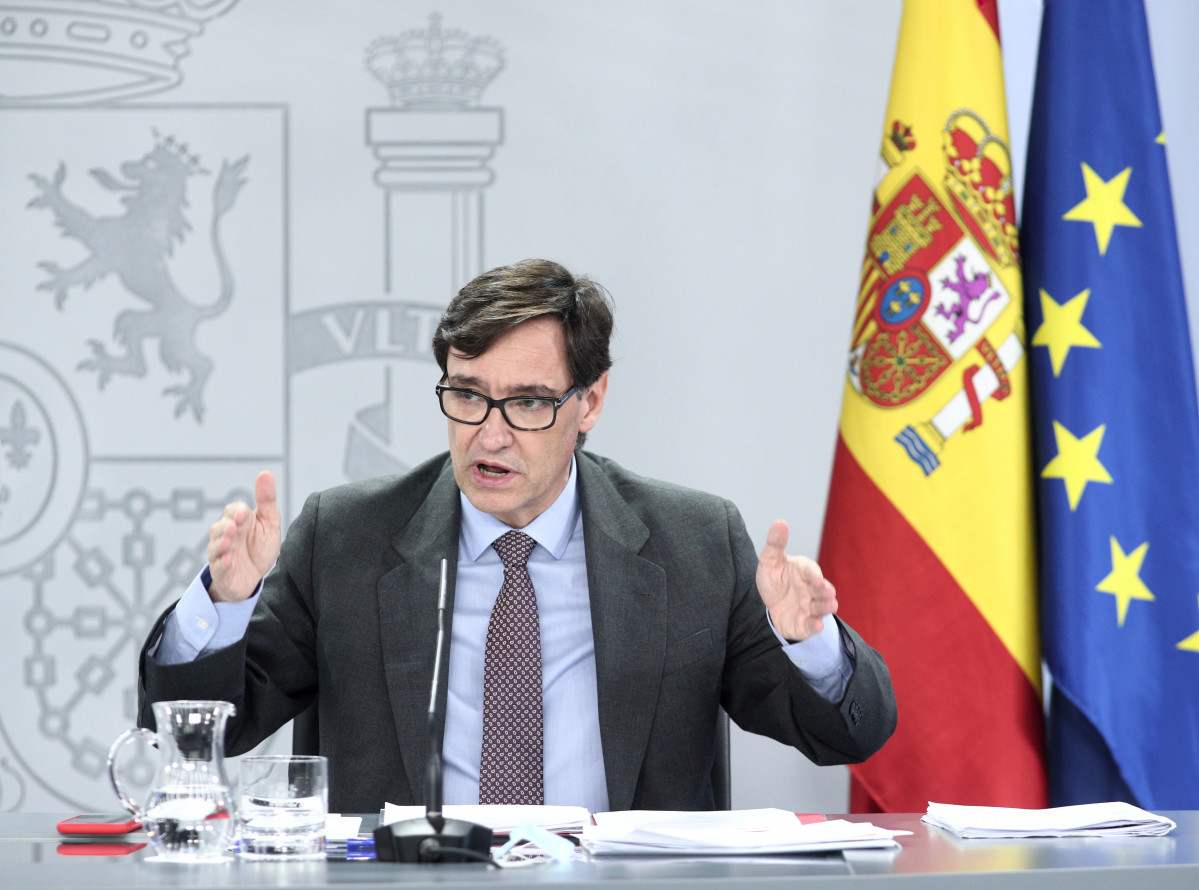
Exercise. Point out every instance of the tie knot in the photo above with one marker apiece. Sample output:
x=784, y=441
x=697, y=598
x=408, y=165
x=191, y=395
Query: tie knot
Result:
x=514, y=549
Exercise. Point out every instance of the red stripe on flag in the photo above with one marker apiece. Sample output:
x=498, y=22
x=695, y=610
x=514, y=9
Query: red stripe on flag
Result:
x=970, y=723
x=990, y=12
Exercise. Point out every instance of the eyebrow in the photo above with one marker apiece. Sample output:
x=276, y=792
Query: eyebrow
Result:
x=524, y=389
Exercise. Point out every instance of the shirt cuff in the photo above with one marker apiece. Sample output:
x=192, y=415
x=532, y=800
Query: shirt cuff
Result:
x=822, y=659
x=198, y=626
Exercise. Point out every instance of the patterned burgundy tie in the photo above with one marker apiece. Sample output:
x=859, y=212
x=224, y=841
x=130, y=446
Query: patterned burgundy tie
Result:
x=510, y=771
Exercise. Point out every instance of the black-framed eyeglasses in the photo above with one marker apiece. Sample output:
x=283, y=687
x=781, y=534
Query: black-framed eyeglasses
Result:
x=529, y=413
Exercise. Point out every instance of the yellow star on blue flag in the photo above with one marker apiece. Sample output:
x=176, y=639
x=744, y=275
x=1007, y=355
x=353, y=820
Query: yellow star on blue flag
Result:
x=1104, y=205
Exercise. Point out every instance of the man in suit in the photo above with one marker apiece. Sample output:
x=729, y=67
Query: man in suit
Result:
x=650, y=609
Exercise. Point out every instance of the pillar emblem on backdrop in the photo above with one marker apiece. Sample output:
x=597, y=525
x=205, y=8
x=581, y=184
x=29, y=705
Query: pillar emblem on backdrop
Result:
x=933, y=286
x=433, y=142
x=129, y=276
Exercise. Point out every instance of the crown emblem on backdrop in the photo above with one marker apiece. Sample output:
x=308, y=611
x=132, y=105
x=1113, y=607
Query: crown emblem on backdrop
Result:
x=189, y=160
x=434, y=67
x=89, y=51
x=978, y=177
x=897, y=141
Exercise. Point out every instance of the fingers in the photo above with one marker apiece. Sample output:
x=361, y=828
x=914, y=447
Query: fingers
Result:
x=809, y=577
x=793, y=588
x=244, y=542
x=824, y=599
x=811, y=574
x=775, y=551
x=228, y=534
x=795, y=570
x=263, y=536
x=266, y=498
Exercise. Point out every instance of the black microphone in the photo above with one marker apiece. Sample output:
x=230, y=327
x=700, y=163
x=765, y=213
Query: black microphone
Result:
x=434, y=838
x=433, y=769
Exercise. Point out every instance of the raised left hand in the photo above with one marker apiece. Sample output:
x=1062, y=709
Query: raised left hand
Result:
x=793, y=588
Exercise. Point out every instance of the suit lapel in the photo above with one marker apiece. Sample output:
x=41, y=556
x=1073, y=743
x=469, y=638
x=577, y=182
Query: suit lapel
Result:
x=628, y=617
x=407, y=594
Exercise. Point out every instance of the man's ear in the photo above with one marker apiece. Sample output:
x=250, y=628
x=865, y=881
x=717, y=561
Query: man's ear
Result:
x=593, y=403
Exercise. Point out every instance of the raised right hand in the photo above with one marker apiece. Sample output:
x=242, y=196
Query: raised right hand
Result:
x=243, y=544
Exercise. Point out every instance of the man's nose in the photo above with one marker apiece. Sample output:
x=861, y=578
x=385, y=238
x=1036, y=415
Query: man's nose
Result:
x=495, y=431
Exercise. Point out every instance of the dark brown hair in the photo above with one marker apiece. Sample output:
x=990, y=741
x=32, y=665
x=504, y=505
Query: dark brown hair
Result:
x=499, y=300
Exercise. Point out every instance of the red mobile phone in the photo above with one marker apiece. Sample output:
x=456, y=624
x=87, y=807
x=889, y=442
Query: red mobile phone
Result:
x=111, y=848
x=122, y=823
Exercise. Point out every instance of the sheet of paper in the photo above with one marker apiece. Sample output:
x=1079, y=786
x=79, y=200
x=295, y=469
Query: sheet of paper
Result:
x=721, y=833
x=339, y=827
x=768, y=817
x=1084, y=820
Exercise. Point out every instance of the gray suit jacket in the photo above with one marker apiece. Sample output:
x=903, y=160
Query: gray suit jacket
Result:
x=350, y=612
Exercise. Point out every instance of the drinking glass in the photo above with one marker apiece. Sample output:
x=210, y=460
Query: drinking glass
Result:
x=283, y=800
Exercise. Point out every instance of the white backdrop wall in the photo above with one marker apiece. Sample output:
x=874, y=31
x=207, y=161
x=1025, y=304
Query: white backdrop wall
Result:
x=709, y=162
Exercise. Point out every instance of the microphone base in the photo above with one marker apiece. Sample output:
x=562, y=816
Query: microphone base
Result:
x=419, y=840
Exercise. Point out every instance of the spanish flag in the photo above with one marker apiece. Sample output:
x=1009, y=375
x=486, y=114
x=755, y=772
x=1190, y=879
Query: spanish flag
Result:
x=929, y=531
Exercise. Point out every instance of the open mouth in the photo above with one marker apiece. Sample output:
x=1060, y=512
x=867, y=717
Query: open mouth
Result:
x=491, y=471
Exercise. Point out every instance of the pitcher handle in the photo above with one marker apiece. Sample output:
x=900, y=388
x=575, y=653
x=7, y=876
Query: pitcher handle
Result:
x=113, y=753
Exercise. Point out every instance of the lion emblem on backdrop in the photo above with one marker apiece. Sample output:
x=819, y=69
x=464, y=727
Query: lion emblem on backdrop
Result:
x=136, y=246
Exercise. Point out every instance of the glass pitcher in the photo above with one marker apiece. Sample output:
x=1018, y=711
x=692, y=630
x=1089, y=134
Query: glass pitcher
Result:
x=188, y=813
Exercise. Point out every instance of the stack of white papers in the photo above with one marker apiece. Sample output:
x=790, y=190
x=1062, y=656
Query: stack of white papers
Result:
x=339, y=827
x=725, y=833
x=501, y=819
x=1085, y=820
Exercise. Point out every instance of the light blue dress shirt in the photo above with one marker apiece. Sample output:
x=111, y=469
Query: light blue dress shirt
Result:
x=573, y=760
x=574, y=764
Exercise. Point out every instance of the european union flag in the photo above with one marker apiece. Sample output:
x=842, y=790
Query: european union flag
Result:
x=1117, y=435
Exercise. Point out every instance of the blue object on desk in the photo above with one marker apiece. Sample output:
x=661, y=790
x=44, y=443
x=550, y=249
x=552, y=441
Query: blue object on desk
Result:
x=354, y=848
x=349, y=848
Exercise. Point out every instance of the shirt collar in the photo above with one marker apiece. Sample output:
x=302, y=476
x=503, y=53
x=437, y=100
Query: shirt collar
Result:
x=551, y=530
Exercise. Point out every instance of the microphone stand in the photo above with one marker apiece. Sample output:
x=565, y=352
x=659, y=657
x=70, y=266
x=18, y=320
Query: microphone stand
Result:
x=433, y=837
